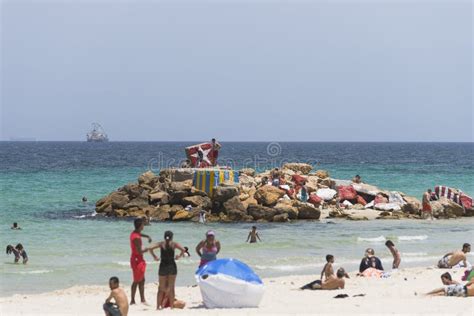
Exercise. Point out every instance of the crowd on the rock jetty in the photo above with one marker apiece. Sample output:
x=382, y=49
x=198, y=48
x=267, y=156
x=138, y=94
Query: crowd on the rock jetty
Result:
x=284, y=194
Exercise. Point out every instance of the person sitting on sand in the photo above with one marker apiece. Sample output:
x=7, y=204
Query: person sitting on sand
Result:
x=332, y=283
x=395, y=253
x=253, y=235
x=120, y=308
x=328, y=270
x=18, y=251
x=15, y=226
x=357, y=179
x=370, y=261
x=453, y=288
x=451, y=259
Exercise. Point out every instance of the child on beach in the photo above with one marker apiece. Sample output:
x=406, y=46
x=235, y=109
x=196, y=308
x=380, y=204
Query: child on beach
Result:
x=395, y=253
x=334, y=282
x=18, y=251
x=253, y=235
x=120, y=308
x=328, y=271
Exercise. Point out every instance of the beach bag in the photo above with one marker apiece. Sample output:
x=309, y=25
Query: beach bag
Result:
x=346, y=192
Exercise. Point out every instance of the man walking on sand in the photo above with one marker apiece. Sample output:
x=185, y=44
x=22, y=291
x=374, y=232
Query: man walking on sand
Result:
x=137, y=262
x=426, y=206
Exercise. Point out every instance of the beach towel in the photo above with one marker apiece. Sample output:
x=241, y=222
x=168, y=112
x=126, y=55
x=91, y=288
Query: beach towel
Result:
x=454, y=195
x=346, y=192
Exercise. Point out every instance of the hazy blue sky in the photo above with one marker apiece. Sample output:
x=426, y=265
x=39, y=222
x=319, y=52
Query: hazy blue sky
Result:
x=239, y=70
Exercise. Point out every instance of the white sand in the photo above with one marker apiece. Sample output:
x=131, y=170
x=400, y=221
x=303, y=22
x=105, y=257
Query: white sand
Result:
x=399, y=294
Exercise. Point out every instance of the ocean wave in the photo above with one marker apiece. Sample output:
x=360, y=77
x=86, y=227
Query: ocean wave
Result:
x=33, y=272
x=410, y=238
x=288, y=268
x=375, y=239
x=414, y=254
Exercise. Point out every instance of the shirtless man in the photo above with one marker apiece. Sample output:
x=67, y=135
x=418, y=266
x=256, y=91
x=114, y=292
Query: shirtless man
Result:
x=451, y=259
x=328, y=270
x=395, y=253
x=332, y=283
x=253, y=235
x=453, y=288
x=120, y=308
x=426, y=206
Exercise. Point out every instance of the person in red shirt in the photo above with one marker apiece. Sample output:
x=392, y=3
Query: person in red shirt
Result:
x=137, y=262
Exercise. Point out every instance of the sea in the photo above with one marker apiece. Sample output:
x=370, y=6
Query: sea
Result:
x=42, y=185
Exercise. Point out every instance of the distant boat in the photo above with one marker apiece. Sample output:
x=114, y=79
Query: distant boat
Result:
x=97, y=134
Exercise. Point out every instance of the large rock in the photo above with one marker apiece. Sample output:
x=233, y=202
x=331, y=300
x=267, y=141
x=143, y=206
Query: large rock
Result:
x=115, y=200
x=133, y=190
x=303, y=168
x=159, y=198
x=175, y=209
x=261, y=212
x=202, y=201
x=322, y=174
x=177, y=197
x=148, y=178
x=182, y=215
x=178, y=174
x=247, y=181
x=412, y=206
x=161, y=213
x=280, y=218
x=268, y=195
x=247, y=171
x=287, y=208
x=223, y=193
x=236, y=215
x=180, y=186
x=138, y=202
x=249, y=201
x=234, y=204
x=307, y=211
x=451, y=208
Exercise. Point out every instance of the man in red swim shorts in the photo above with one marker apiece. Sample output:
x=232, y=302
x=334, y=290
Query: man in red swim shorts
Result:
x=137, y=262
x=426, y=210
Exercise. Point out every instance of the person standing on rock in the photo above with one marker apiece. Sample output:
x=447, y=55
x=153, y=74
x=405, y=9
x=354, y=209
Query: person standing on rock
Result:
x=137, y=262
x=426, y=206
x=214, y=152
x=209, y=248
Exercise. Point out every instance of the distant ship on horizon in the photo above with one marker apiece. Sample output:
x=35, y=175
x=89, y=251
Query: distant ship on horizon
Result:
x=97, y=134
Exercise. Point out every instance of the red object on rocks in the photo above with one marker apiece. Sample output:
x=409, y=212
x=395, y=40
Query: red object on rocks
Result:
x=298, y=180
x=314, y=199
x=346, y=192
x=380, y=199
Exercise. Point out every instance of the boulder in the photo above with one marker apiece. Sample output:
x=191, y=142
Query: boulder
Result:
x=202, y=201
x=250, y=201
x=328, y=182
x=268, y=195
x=138, y=202
x=176, y=197
x=148, y=178
x=281, y=218
x=178, y=174
x=451, y=208
x=357, y=218
x=159, y=198
x=234, y=204
x=161, y=213
x=261, y=212
x=246, y=171
x=307, y=211
x=303, y=168
x=180, y=186
x=437, y=208
x=247, y=181
x=175, y=209
x=236, y=215
x=118, y=200
x=412, y=206
x=287, y=208
x=133, y=190
x=195, y=191
x=223, y=193
x=182, y=215
x=322, y=174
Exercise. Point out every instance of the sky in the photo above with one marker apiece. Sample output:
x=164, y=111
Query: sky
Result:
x=238, y=70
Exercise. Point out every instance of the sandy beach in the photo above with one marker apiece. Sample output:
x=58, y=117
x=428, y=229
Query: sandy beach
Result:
x=402, y=293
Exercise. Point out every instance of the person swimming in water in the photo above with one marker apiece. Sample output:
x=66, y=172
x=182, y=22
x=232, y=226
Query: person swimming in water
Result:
x=253, y=235
x=15, y=226
x=18, y=252
x=209, y=248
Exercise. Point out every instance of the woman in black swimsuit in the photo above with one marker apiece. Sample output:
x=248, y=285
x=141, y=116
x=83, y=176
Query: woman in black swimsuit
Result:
x=168, y=270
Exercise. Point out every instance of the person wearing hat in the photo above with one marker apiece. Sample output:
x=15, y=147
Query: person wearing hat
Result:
x=168, y=269
x=370, y=261
x=208, y=248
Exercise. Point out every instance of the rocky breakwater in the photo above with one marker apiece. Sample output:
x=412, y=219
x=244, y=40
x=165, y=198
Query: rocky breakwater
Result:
x=170, y=196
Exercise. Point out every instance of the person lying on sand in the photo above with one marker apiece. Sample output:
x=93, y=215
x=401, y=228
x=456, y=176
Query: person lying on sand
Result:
x=395, y=253
x=177, y=303
x=451, y=259
x=120, y=308
x=453, y=288
x=332, y=283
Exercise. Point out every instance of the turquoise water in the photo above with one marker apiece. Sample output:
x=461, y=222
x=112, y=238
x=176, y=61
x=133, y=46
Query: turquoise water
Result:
x=42, y=185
